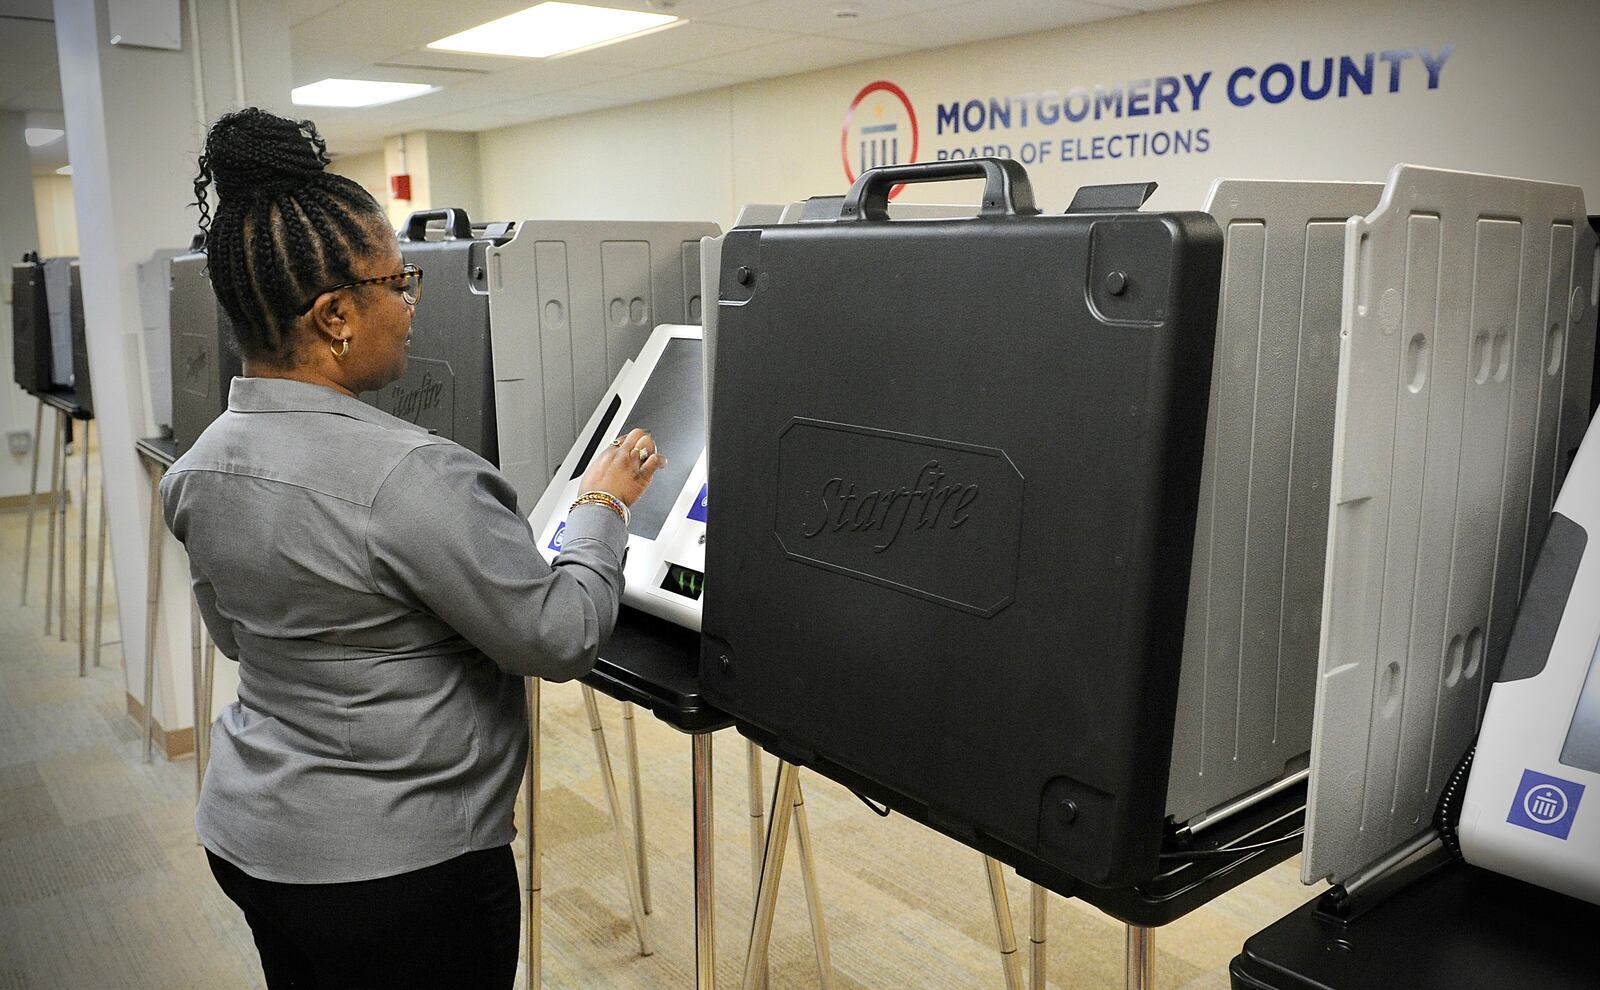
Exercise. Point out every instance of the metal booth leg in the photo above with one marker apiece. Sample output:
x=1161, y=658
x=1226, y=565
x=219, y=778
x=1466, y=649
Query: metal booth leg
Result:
x=83, y=559
x=100, y=576
x=705, y=902
x=758, y=832
x=1003, y=927
x=1141, y=970
x=50, y=536
x=535, y=872
x=766, y=901
x=208, y=669
x=609, y=781
x=808, y=875
x=636, y=797
x=152, y=605
x=1038, y=921
x=61, y=535
x=33, y=492
x=195, y=646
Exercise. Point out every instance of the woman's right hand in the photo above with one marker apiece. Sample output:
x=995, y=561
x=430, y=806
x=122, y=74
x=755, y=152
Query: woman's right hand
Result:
x=619, y=468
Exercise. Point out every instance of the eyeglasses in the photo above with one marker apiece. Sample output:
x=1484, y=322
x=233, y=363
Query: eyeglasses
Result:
x=411, y=291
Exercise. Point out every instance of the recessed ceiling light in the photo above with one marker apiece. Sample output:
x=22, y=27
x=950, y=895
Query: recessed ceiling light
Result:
x=553, y=28
x=356, y=93
x=38, y=137
x=64, y=170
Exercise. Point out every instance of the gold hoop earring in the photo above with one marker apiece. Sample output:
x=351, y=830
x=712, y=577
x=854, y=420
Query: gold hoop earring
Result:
x=341, y=353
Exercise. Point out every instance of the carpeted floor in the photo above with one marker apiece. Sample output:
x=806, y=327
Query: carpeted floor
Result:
x=102, y=884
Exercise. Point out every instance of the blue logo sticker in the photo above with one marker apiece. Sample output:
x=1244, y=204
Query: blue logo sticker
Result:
x=1545, y=804
x=697, y=511
x=555, y=540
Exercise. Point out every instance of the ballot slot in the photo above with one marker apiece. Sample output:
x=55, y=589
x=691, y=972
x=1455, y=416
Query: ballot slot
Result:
x=1532, y=803
x=660, y=391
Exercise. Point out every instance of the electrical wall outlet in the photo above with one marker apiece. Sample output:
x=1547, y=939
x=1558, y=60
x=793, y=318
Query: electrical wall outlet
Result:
x=19, y=442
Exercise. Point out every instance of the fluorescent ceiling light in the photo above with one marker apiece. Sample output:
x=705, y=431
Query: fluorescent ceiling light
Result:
x=64, y=170
x=356, y=93
x=38, y=137
x=548, y=29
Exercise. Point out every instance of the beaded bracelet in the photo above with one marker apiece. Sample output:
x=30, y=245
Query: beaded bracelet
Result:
x=606, y=499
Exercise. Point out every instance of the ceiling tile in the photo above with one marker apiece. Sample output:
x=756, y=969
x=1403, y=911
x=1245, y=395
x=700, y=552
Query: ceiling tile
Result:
x=978, y=21
x=304, y=10
x=803, y=53
x=675, y=45
x=655, y=84
x=818, y=16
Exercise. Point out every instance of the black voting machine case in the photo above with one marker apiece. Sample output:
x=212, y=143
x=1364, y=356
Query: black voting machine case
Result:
x=448, y=387
x=956, y=480
x=30, y=326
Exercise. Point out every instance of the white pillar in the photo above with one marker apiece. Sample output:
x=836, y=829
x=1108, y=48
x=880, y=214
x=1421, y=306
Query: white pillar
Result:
x=19, y=234
x=134, y=129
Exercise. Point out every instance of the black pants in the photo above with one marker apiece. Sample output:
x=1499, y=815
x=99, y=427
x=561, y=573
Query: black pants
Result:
x=451, y=925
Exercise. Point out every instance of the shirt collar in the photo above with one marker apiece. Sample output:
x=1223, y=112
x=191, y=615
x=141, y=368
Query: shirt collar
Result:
x=269, y=395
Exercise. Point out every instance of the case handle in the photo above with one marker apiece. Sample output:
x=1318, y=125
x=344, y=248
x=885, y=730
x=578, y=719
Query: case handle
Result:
x=1006, y=190
x=457, y=226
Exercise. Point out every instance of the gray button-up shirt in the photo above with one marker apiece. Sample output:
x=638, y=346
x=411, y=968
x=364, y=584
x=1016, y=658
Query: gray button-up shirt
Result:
x=383, y=599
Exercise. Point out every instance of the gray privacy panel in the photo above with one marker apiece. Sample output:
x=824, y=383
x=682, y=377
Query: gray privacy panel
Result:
x=570, y=301
x=155, y=311
x=1255, y=591
x=1460, y=312
x=58, y=293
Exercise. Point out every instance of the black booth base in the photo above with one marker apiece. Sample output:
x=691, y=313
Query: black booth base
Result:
x=161, y=450
x=655, y=664
x=1459, y=928
x=1178, y=887
x=64, y=400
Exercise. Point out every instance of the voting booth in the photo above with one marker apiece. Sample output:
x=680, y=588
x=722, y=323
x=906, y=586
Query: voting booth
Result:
x=1537, y=759
x=204, y=359
x=957, y=541
x=661, y=390
x=82, y=386
x=30, y=326
x=154, y=276
x=448, y=387
x=572, y=302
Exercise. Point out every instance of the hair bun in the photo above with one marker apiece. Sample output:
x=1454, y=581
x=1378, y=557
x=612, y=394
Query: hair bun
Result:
x=252, y=153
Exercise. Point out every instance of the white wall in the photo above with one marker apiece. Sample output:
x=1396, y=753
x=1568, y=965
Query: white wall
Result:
x=444, y=170
x=58, y=219
x=18, y=235
x=1516, y=94
x=368, y=170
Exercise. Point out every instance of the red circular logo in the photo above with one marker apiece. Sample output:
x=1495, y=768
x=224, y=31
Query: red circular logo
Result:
x=880, y=128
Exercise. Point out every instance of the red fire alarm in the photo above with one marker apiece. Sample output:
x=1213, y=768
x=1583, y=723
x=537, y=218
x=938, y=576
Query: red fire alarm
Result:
x=400, y=186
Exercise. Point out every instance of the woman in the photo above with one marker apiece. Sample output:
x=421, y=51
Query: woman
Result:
x=380, y=592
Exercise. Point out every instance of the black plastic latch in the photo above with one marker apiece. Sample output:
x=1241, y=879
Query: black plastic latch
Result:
x=1125, y=197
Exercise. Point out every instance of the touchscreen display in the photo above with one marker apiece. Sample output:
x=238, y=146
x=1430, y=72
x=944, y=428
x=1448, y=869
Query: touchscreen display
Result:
x=672, y=407
x=1582, y=749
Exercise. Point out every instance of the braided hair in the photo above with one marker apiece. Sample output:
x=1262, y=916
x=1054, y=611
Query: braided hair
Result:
x=284, y=227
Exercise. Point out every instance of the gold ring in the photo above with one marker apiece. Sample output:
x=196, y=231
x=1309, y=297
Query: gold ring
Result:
x=617, y=442
x=644, y=455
